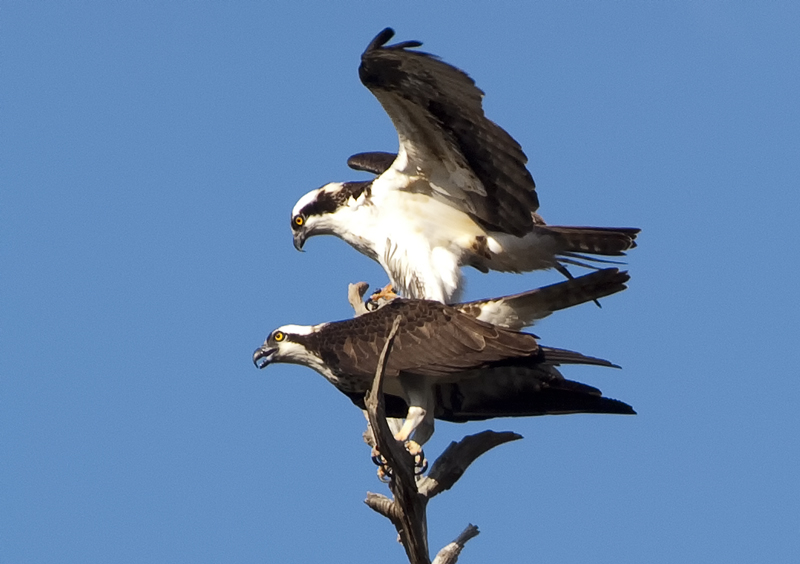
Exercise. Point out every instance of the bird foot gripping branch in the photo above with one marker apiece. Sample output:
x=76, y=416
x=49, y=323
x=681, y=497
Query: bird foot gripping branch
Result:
x=413, y=448
x=381, y=297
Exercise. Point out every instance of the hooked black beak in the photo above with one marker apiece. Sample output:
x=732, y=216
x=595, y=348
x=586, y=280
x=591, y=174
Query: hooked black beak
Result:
x=263, y=356
x=299, y=239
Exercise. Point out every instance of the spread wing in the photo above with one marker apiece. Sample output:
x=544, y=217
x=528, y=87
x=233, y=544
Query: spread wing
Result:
x=521, y=310
x=446, y=141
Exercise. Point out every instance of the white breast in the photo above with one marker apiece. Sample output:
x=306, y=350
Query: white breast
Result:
x=423, y=243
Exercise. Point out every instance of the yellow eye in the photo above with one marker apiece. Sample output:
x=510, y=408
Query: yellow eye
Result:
x=279, y=336
x=298, y=220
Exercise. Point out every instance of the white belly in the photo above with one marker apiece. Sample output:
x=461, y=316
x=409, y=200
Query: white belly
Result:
x=423, y=243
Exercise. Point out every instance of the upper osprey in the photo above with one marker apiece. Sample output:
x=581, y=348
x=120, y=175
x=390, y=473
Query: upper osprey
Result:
x=457, y=193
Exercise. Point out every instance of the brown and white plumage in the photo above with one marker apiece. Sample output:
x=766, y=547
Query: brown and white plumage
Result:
x=444, y=363
x=524, y=309
x=456, y=194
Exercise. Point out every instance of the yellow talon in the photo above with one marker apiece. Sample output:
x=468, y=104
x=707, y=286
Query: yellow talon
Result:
x=387, y=293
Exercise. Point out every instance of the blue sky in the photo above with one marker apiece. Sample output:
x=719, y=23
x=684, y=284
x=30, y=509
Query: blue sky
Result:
x=149, y=159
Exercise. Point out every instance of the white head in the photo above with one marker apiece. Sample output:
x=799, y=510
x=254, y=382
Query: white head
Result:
x=316, y=213
x=292, y=344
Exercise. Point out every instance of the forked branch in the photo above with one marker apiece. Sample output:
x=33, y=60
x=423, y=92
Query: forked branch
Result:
x=407, y=511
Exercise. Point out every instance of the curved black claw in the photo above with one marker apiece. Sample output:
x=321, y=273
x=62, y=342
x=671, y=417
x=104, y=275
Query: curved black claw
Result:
x=385, y=471
x=384, y=474
x=420, y=463
x=377, y=458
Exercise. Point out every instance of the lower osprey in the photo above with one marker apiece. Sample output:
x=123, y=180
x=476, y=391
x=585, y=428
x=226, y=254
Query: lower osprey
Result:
x=456, y=194
x=445, y=364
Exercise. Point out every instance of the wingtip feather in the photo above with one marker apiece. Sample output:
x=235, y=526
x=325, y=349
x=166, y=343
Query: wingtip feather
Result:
x=381, y=39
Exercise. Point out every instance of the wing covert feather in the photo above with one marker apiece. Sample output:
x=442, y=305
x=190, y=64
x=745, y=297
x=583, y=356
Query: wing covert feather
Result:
x=433, y=340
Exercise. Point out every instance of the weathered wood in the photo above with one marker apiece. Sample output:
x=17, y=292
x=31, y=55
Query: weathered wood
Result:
x=383, y=505
x=457, y=457
x=407, y=511
x=355, y=295
x=449, y=554
x=411, y=517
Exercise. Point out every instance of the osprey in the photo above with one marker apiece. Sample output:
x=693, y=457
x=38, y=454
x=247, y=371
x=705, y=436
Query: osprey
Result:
x=456, y=194
x=524, y=309
x=445, y=364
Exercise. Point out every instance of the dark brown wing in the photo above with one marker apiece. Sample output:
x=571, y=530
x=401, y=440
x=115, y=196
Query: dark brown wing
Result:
x=376, y=162
x=523, y=395
x=536, y=393
x=433, y=340
x=444, y=135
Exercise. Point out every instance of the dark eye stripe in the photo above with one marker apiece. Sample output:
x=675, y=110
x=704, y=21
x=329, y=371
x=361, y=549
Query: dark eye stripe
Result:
x=329, y=202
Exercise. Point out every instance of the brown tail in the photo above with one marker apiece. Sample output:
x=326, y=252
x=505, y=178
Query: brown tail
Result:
x=607, y=241
x=570, y=293
x=521, y=310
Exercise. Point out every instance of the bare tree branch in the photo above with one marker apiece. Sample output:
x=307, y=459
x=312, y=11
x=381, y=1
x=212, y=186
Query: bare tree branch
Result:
x=455, y=460
x=449, y=554
x=355, y=295
x=407, y=511
x=412, y=521
x=383, y=505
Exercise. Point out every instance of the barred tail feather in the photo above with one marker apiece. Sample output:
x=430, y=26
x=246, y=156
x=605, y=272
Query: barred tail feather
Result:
x=606, y=241
x=592, y=286
x=520, y=310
